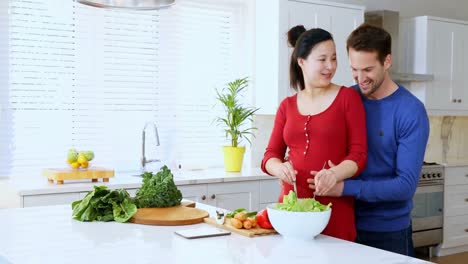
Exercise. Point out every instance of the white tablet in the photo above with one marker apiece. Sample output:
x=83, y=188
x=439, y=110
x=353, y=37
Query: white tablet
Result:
x=202, y=232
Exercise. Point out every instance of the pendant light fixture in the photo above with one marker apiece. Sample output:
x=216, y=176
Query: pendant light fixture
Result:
x=129, y=4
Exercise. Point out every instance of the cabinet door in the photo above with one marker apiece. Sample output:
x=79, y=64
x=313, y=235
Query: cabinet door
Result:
x=456, y=231
x=456, y=176
x=339, y=21
x=196, y=193
x=50, y=199
x=269, y=192
x=456, y=200
x=444, y=50
x=232, y=195
x=458, y=75
x=462, y=86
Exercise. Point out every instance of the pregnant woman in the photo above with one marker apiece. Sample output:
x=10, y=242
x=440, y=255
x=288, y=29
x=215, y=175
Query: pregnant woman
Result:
x=322, y=124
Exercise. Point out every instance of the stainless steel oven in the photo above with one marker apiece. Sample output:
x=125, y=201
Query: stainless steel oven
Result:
x=428, y=204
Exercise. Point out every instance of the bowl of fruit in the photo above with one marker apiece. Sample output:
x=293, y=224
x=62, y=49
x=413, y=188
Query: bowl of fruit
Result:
x=79, y=159
x=301, y=219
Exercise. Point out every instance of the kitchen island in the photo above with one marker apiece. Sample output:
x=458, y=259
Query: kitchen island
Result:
x=48, y=234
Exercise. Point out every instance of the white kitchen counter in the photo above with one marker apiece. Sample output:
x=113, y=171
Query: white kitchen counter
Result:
x=36, y=185
x=49, y=235
x=456, y=163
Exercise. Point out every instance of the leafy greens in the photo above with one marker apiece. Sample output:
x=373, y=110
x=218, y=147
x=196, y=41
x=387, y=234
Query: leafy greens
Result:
x=158, y=190
x=293, y=204
x=104, y=205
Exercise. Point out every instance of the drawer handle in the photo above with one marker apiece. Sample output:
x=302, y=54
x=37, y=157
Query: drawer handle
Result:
x=214, y=196
x=466, y=200
x=203, y=197
x=466, y=230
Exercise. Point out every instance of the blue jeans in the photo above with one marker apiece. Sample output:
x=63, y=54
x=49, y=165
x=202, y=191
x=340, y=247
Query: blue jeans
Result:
x=400, y=242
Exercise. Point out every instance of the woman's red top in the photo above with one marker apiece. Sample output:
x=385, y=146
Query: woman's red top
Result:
x=338, y=133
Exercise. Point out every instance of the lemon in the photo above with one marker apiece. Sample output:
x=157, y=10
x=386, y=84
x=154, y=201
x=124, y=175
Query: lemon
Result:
x=84, y=164
x=82, y=158
x=75, y=165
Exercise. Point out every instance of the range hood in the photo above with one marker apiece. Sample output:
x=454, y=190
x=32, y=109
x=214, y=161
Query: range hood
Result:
x=129, y=4
x=390, y=21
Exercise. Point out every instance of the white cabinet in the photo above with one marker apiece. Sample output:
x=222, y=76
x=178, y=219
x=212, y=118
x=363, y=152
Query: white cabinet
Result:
x=269, y=192
x=455, y=228
x=272, y=55
x=437, y=46
x=227, y=195
x=50, y=199
x=250, y=194
x=57, y=198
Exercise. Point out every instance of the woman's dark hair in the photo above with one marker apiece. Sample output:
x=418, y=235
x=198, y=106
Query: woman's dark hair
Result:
x=303, y=42
x=371, y=39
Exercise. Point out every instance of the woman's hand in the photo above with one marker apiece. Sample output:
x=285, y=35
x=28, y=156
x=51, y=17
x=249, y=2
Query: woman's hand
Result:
x=285, y=172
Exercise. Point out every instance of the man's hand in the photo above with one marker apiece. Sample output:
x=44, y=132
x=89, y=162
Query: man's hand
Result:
x=325, y=182
x=335, y=191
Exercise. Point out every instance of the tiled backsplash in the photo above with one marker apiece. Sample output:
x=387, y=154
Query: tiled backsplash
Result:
x=448, y=140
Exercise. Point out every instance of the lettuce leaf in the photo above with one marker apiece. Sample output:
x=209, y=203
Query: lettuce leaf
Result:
x=104, y=205
x=293, y=204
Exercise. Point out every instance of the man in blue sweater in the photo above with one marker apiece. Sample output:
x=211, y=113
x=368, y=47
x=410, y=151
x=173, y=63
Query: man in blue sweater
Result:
x=397, y=134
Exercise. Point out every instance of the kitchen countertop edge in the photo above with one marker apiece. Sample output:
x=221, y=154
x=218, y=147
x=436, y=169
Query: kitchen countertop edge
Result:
x=39, y=185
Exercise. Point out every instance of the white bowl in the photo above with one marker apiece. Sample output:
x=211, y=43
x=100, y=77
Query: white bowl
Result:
x=298, y=225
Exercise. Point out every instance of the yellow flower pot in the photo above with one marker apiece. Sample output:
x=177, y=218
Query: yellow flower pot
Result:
x=233, y=158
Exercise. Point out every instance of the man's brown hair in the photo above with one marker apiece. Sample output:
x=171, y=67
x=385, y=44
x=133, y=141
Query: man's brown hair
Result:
x=371, y=39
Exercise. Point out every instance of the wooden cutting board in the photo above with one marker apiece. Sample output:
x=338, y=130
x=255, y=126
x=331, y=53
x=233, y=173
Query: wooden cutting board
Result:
x=253, y=232
x=184, y=214
x=63, y=174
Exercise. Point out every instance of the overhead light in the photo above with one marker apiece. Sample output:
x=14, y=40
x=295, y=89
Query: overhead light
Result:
x=129, y=4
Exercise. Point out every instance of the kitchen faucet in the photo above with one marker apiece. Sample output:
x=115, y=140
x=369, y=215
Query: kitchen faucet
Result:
x=145, y=161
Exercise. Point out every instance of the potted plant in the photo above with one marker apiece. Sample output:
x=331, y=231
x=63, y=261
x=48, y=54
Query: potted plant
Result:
x=235, y=122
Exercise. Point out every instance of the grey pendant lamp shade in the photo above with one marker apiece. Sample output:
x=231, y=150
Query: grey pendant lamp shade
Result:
x=129, y=4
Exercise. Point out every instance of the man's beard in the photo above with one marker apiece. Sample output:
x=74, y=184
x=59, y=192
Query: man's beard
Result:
x=374, y=86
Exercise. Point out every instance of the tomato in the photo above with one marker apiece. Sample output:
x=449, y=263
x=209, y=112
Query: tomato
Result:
x=262, y=219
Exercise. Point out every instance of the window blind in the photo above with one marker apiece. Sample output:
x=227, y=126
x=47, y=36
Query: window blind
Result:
x=89, y=78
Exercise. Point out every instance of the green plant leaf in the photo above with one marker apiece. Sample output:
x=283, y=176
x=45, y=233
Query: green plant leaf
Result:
x=237, y=115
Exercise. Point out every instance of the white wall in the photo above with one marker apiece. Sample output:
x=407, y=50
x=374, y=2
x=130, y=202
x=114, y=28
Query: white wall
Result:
x=455, y=9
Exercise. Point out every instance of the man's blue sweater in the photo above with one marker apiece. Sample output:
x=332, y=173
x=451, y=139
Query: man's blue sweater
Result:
x=397, y=134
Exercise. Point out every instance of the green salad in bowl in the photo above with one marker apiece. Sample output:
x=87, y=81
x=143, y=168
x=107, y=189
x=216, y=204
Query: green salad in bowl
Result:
x=297, y=218
x=292, y=204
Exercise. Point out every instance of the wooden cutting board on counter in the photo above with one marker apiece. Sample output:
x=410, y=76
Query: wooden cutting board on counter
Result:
x=253, y=232
x=63, y=174
x=184, y=214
